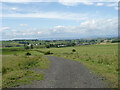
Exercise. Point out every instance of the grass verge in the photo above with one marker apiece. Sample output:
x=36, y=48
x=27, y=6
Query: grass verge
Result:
x=16, y=70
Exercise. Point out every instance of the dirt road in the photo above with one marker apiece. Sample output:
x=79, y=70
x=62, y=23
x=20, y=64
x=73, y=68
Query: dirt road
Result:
x=65, y=73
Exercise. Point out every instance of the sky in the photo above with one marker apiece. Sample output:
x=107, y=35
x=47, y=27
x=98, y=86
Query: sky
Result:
x=60, y=19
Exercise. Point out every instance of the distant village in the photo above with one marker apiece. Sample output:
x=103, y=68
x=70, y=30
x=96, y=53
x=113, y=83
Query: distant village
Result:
x=56, y=43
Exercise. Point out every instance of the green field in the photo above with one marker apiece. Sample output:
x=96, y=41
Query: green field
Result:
x=101, y=59
x=18, y=68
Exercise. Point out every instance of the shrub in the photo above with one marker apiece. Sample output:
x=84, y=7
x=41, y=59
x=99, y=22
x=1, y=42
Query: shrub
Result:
x=73, y=50
x=26, y=47
x=31, y=46
x=15, y=54
x=100, y=60
x=47, y=46
x=4, y=70
x=28, y=53
x=48, y=52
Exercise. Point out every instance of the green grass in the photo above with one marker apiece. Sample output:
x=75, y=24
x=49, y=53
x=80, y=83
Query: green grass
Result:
x=27, y=77
x=13, y=50
x=36, y=53
x=101, y=59
x=19, y=51
x=17, y=67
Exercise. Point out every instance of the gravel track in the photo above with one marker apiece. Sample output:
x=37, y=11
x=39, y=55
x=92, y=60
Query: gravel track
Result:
x=64, y=73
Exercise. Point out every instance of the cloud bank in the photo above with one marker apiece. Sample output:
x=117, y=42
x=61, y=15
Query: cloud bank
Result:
x=88, y=29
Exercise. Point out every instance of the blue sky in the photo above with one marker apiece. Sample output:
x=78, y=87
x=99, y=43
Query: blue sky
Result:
x=56, y=20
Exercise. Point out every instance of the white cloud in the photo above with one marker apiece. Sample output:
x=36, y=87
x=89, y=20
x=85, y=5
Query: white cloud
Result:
x=87, y=3
x=86, y=29
x=22, y=33
x=117, y=8
x=112, y=4
x=75, y=2
x=4, y=28
x=39, y=32
x=23, y=25
x=64, y=2
x=23, y=1
x=59, y=0
x=13, y=8
x=102, y=27
x=70, y=3
x=100, y=4
x=54, y=15
x=27, y=32
x=58, y=29
x=59, y=26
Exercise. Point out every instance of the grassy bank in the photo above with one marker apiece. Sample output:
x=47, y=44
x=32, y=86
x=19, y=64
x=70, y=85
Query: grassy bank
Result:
x=101, y=59
x=17, y=68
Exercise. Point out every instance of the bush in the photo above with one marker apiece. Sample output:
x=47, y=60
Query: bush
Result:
x=15, y=54
x=4, y=70
x=31, y=46
x=28, y=53
x=47, y=46
x=26, y=47
x=73, y=50
x=48, y=52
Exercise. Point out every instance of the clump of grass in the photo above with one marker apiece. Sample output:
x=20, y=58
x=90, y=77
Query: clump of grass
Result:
x=4, y=70
x=15, y=54
x=30, y=77
x=89, y=58
x=100, y=61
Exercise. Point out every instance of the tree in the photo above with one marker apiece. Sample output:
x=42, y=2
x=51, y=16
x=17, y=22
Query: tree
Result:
x=73, y=44
x=47, y=46
x=26, y=47
x=27, y=43
x=31, y=46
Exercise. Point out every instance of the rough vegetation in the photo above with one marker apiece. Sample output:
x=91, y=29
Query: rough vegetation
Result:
x=17, y=70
